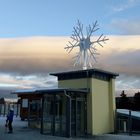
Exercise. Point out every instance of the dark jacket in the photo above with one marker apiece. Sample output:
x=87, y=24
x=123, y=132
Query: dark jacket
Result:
x=10, y=115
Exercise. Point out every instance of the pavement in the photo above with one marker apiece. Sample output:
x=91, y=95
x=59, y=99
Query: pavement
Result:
x=22, y=132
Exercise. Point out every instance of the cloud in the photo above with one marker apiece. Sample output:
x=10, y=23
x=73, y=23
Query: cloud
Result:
x=40, y=55
x=9, y=83
x=125, y=62
x=30, y=81
x=26, y=62
x=121, y=55
x=126, y=5
x=33, y=55
x=127, y=27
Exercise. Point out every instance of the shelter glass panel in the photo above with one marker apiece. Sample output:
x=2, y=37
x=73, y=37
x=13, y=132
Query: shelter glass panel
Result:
x=60, y=115
x=48, y=115
x=54, y=115
x=34, y=117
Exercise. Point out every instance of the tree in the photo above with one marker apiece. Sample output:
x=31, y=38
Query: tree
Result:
x=137, y=101
x=124, y=101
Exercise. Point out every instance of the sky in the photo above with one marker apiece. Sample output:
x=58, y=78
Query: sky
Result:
x=33, y=34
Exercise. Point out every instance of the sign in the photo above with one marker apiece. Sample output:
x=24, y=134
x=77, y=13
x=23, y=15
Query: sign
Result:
x=25, y=103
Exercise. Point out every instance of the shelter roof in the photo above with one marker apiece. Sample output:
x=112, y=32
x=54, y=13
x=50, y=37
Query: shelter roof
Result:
x=96, y=73
x=49, y=90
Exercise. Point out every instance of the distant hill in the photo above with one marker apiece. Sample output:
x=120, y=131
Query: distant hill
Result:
x=6, y=93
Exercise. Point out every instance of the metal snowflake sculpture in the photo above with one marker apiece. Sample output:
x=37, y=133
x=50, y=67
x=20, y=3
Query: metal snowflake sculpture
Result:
x=87, y=50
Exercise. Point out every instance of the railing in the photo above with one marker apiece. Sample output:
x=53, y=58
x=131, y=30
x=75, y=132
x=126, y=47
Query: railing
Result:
x=128, y=122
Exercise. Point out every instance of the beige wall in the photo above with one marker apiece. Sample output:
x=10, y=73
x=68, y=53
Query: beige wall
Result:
x=75, y=83
x=89, y=112
x=112, y=103
x=102, y=107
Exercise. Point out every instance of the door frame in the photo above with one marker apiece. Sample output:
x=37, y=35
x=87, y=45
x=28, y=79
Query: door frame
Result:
x=76, y=99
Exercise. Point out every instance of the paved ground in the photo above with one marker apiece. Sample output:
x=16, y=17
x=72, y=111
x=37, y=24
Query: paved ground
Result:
x=22, y=132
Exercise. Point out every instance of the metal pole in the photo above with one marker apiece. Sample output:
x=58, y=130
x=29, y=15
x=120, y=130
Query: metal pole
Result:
x=17, y=109
x=68, y=114
x=115, y=122
x=54, y=114
x=130, y=123
x=42, y=117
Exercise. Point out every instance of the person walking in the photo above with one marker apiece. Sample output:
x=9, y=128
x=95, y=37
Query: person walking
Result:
x=9, y=120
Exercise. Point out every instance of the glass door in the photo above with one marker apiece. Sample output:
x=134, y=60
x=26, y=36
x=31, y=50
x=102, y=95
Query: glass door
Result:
x=78, y=117
x=54, y=115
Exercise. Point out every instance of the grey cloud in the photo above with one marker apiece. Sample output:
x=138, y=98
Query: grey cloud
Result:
x=27, y=82
x=33, y=65
x=130, y=84
x=127, y=62
x=127, y=82
x=123, y=62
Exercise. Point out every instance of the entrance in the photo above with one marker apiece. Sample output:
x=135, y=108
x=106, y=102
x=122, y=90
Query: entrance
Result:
x=54, y=115
x=78, y=117
x=64, y=116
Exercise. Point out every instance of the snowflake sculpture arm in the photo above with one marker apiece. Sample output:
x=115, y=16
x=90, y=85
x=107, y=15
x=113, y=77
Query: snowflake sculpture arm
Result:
x=92, y=29
x=100, y=40
x=87, y=49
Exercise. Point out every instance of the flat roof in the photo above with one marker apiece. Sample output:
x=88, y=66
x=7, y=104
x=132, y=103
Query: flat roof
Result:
x=96, y=73
x=23, y=91
x=49, y=90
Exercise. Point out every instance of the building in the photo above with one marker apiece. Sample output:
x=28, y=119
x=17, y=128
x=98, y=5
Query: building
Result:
x=83, y=104
x=6, y=104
